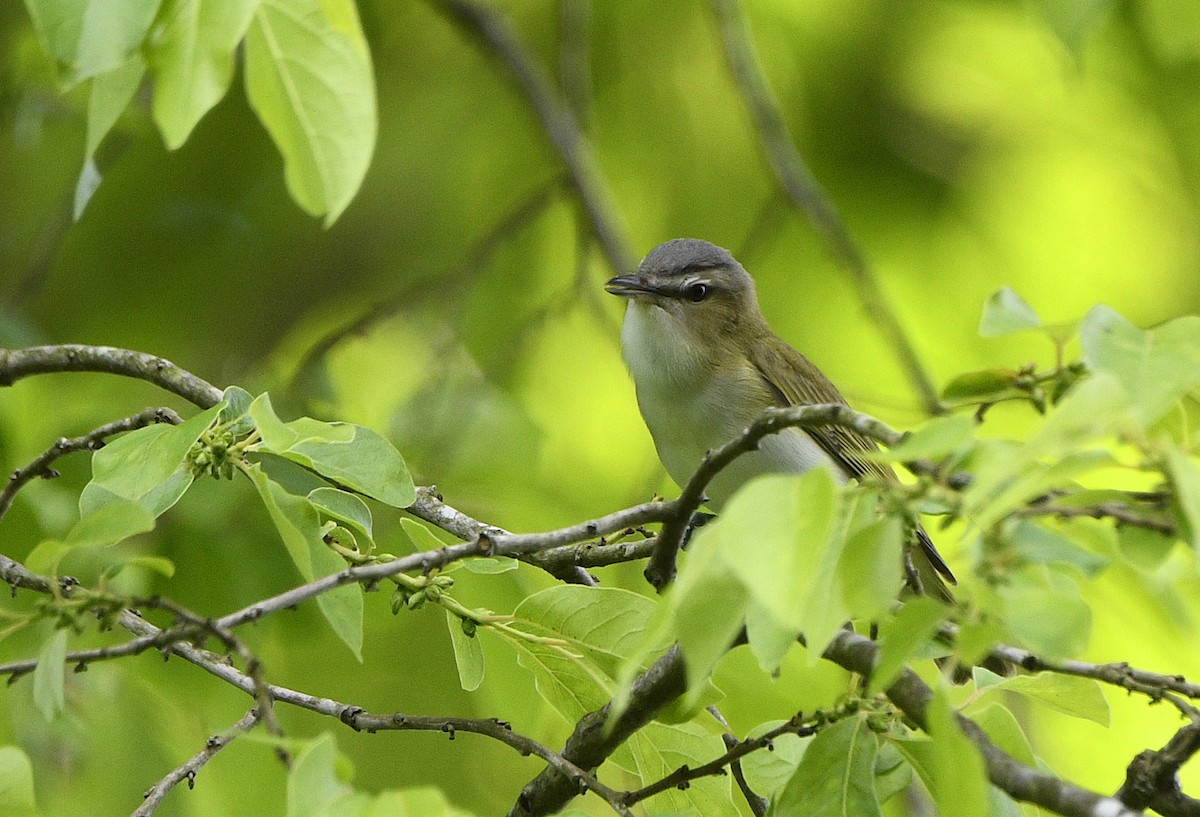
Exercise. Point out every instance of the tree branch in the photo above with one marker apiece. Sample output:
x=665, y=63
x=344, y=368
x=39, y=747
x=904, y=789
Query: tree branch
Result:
x=93, y=440
x=595, y=738
x=661, y=570
x=859, y=654
x=19, y=363
x=493, y=30
x=1150, y=779
x=806, y=194
x=360, y=720
x=190, y=768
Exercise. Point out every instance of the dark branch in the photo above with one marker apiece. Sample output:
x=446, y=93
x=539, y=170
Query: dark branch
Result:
x=1151, y=779
x=593, y=739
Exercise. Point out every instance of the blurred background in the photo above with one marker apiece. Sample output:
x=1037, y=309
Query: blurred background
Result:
x=456, y=306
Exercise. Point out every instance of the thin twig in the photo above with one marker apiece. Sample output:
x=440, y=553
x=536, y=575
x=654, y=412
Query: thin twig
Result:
x=40, y=466
x=1152, y=684
x=1117, y=511
x=360, y=720
x=494, y=30
x=733, y=754
x=191, y=767
x=806, y=194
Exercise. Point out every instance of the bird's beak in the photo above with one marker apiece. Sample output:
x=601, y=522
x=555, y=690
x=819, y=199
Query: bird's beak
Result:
x=631, y=286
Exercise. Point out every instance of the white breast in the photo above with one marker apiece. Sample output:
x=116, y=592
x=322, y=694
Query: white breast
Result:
x=690, y=408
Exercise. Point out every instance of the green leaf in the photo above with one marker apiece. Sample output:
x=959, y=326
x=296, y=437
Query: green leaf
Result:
x=1044, y=612
x=604, y=630
x=193, y=55
x=659, y=749
x=836, y=776
x=1073, y=20
x=904, y=636
x=16, y=783
x=314, y=787
x=893, y=774
x=419, y=802
x=236, y=411
x=346, y=508
x=1037, y=544
x=976, y=639
x=1077, y=697
x=157, y=564
x=958, y=781
x=1185, y=476
x=112, y=30
x=1144, y=549
x=468, y=654
x=110, y=524
x=44, y=558
x=938, y=438
x=92, y=37
x=707, y=605
x=871, y=567
x=49, y=676
x=768, y=772
x=420, y=537
x=1002, y=727
x=986, y=386
x=309, y=79
x=299, y=525
x=146, y=465
x=490, y=565
x=110, y=95
x=1156, y=366
x=1006, y=312
x=351, y=456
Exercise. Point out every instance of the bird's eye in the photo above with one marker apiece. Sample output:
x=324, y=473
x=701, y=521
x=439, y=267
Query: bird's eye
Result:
x=696, y=292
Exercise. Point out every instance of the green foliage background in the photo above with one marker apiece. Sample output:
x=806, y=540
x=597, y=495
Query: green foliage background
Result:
x=1049, y=147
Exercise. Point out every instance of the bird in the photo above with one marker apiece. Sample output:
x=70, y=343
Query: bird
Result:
x=705, y=364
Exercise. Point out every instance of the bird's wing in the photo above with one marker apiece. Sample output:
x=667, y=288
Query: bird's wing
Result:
x=795, y=381
x=799, y=383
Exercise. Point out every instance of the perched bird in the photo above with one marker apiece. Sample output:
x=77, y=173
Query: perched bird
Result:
x=705, y=364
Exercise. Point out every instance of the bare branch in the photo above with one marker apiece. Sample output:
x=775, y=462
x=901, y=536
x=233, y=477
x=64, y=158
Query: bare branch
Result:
x=19, y=363
x=360, y=720
x=1152, y=684
x=494, y=30
x=806, y=194
x=40, y=467
x=190, y=768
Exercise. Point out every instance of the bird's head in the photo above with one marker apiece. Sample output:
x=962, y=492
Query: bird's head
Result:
x=696, y=292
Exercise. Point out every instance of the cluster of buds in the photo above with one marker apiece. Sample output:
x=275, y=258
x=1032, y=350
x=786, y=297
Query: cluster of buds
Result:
x=414, y=597
x=214, y=454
